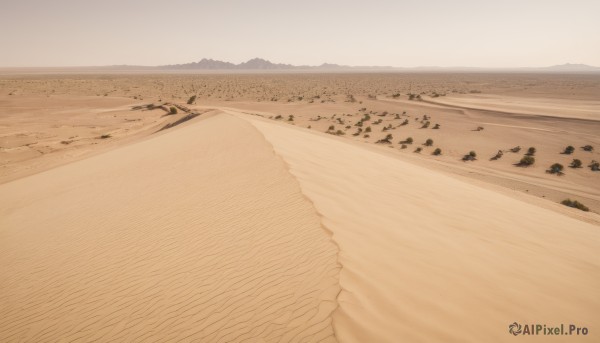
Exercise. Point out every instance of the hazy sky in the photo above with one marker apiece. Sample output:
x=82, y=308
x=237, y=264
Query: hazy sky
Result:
x=499, y=33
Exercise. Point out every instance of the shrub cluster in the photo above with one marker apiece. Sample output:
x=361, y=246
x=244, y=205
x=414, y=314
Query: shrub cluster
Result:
x=575, y=204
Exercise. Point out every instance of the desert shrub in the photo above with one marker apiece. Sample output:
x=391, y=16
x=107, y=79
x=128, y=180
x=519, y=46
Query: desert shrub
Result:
x=479, y=128
x=436, y=126
x=575, y=204
x=191, y=100
x=498, y=155
x=291, y=117
x=173, y=110
x=403, y=146
x=105, y=136
x=471, y=156
x=368, y=129
x=331, y=128
x=569, y=150
x=556, y=168
x=531, y=151
x=277, y=117
x=358, y=132
x=386, y=140
x=526, y=161
x=595, y=166
x=587, y=148
x=429, y=142
x=437, y=152
x=515, y=149
x=340, y=133
x=418, y=150
x=359, y=123
x=405, y=122
x=425, y=125
x=367, y=136
x=576, y=163
x=408, y=140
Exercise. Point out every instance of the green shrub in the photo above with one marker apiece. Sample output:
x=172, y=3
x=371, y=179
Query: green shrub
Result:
x=408, y=140
x=526, y=161
x=587, y=148
x=576, y=163
x=575, y=204
x=429, y=142
x=173, y=110
x=556, y=168
x=368, y=129
x=471, y=156
x=531, y=151
x=569, y=150
x=386, y=140
x=437, y=152
x=498, y=155
x=191, y=100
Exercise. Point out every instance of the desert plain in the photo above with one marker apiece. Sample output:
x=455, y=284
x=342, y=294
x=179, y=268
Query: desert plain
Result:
x=297, y=207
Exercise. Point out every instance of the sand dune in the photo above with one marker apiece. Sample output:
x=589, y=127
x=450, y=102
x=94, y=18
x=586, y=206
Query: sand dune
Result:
x=197, y=234
x=237, y=228
x=580, y=109
x=428, y=258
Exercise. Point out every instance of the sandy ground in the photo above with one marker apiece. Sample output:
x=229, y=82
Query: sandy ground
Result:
x=562, y=108
x=243, y=217
x=183, y=237
x=428, y=258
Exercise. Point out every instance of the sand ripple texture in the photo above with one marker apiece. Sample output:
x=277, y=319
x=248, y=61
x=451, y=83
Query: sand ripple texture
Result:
x=429, y=258
x=199, y=234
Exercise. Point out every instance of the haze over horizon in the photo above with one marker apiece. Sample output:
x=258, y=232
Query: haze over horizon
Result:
x=508, y=34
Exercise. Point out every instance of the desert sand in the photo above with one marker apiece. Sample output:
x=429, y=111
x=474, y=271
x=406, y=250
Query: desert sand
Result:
x=246, y=217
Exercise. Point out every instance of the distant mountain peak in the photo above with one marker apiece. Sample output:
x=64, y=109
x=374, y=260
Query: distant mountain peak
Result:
x=573, y=67
x=255, y=63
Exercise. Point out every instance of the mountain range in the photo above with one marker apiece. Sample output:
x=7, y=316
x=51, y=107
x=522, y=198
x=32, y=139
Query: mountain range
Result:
x=262, y=64
x=256, y=64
